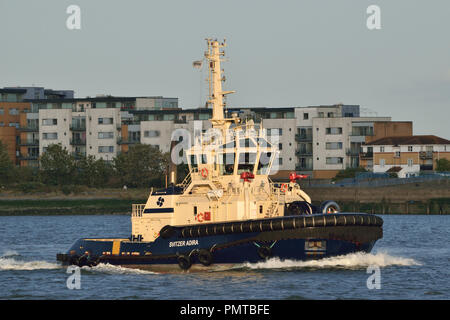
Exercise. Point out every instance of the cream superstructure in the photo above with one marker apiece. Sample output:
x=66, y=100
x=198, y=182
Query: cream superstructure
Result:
x=229, y=167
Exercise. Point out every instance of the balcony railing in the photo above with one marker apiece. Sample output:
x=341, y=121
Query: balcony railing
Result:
x=366, y=155
x=30, y=142
x=300, y=167
x=78, y=127
x=352, y=152
x=426, y=155
x=303, y=152
x=78, y=155
x=29, y=128
x=303, y=137
x=127, y=141
x=77, y=142
x=28, y=156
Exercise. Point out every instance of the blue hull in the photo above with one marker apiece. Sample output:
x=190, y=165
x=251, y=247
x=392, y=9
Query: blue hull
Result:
x=314, y=237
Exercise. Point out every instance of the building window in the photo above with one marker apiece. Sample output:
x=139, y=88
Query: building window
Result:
x=334, y=160
x=49, y=122
x=280, y=146
x=330, y=115
x=14, y=124
x=381, y=149
x=50, y=136
x=305, y=116
x=106, y=135
x=151, y=134
x=2, y=111
x=274, y=132
x=410, y=148
x=382, y=162
x=321, y=114
x=13, y=111
x=333, y=131
x=333, y=145
x=397, y=154
x=410, y=162
x=105, y=149
x=105, y=120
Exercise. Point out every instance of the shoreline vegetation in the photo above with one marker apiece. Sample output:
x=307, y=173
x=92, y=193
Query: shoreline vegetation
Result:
x=418, y=198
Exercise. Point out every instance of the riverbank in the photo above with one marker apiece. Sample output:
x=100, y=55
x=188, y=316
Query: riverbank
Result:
x=423, y=198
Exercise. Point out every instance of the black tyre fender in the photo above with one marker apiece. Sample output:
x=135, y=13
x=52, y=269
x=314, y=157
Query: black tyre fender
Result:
x=205, y=257
x=184, y=261
x=264, y=252
x=329, y=205
x=167, y=232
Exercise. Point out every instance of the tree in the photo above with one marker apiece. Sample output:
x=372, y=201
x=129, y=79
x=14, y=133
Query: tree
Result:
x=6, y=165
x=141, y=166
x=442, y=165
x=57, y=166
x=93, y=173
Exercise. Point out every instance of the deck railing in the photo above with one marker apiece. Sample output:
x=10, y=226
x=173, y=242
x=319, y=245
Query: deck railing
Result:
x=137, y=210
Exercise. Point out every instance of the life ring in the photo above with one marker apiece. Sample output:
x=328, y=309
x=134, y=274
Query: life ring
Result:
x=205, y=257
x=284, y=187
x=204, y=172
x=184, y=262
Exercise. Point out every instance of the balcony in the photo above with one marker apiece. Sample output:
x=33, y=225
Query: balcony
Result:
x=299, y=167
x=79, y=155
x=426, y=155
x=303, y=152
x=29, y=129
x=78, y=127
x=127, y=141
x=366, y=155
x=352, y=152
x=29, y=142
x=78, y=142
x=28, y=156
x=303, y=137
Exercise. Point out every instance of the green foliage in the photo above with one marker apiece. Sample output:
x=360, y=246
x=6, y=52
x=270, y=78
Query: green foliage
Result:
x=57, y=166
x=6, y=166
x=442, y=165
x=93, y=173
x=348, y=173
x=142, y=166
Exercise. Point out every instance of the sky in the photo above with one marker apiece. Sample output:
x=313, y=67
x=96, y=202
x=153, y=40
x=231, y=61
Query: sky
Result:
x=280, y=53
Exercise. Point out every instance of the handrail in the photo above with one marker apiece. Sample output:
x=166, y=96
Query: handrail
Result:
x=137, y=210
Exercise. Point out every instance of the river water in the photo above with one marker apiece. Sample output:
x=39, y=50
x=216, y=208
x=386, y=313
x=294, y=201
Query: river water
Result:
x=413, y=260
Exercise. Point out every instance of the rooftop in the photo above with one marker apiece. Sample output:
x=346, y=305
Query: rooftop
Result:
x=409, y=140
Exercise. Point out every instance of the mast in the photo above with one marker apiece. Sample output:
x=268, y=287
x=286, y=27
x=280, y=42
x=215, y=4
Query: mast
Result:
x=215, y=78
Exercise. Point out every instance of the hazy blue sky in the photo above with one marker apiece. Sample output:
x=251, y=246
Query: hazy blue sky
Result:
x=282, y=53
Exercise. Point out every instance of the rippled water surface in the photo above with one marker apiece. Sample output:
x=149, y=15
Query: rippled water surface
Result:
x=413, y=257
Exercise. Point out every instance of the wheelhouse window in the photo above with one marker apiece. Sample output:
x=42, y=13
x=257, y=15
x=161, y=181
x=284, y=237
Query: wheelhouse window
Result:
x=246, y=162
x=226, y=163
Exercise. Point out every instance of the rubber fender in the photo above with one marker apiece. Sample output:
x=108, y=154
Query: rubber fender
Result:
x=329, y=205
x=205, y=257
x=184, y=261
x=264, y=252
x=167, y=232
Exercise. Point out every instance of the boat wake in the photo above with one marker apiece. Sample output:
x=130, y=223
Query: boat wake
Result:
x=353, y=261
x=111, y=269
x=11, y=260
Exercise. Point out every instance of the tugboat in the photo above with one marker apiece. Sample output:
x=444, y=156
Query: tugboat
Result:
x=227, y=210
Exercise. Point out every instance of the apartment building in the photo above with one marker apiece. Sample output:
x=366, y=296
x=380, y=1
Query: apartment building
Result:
x=405, y=155
x=84, y=126
x=14, y=105
x=315, y=140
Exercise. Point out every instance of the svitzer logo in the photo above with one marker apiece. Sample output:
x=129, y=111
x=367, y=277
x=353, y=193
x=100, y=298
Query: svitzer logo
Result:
x=203, y=216
x=160, y=201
